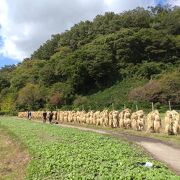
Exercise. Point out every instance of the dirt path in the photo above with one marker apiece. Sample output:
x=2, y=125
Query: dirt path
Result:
x=13, y=158
x=160, y=150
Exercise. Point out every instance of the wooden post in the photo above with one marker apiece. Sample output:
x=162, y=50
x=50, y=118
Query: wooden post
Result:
x=124, y=106
x=137, y=107
x=170, y=105
x=151, y=78
x=113, y=106
x=152, y=106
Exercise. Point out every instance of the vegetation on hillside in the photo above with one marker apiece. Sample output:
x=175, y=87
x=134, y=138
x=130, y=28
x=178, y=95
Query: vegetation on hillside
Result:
x=93, y=56
x=62, y=153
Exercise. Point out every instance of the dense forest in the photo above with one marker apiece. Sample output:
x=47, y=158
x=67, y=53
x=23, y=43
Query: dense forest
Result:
x=116, y=60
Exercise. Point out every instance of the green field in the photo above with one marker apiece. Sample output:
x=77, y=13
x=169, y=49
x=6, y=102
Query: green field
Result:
x=62, y=153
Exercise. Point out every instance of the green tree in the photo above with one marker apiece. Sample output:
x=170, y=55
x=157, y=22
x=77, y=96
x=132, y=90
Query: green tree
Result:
x=30, y=97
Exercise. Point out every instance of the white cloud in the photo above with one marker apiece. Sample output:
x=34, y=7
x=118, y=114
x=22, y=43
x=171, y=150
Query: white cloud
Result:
x=26, y=24
x=122, y=5
x=175, y=2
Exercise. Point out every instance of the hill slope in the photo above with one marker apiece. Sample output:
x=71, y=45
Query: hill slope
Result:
x=93, y=56
x=115, y=96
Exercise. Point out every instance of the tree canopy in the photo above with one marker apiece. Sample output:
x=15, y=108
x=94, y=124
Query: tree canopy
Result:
x=94, y=55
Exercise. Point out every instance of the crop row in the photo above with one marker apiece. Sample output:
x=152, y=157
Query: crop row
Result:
x=62, y=153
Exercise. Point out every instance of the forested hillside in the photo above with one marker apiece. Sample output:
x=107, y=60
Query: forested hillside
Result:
x=115, y=60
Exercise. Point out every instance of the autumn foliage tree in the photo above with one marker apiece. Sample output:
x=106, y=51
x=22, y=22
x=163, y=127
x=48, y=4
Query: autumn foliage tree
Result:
x=164, y=89
x=56, y=99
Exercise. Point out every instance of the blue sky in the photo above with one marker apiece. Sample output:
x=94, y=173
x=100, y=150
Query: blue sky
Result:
x=22, y=31
x=161, y=2
x=164, y=2
x=5, y=60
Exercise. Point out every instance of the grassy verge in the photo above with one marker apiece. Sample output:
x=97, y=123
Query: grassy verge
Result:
x=13, y=157
x=62, y=153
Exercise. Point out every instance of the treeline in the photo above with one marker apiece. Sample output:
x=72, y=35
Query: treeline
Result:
x=93, y=56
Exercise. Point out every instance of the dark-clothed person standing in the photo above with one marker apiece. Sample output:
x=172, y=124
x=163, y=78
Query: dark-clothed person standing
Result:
x=44, y=116
x=29, y=115
x=51, y=117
